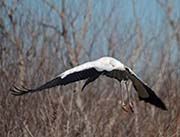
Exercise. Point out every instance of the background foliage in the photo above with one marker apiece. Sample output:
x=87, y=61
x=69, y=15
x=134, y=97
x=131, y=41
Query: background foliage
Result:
x=40, y=39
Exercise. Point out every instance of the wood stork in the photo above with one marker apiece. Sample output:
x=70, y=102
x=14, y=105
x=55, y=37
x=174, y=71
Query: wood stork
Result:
x=90, y=71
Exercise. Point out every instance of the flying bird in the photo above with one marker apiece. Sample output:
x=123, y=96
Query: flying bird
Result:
x=90, y=71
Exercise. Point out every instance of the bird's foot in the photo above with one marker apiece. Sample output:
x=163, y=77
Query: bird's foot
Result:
x=128, y=107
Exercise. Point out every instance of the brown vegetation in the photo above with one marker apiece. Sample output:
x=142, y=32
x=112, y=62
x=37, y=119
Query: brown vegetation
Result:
x=34, y=47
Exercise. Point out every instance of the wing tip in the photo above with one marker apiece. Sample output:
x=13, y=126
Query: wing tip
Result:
x=19, y=91
x=154, y=100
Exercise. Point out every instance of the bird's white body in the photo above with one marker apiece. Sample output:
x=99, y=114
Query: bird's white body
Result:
x=104, y=63
x=90, y=71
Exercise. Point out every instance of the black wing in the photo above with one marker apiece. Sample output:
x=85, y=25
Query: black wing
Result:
x=72, y=77
x=145, y=93
x=117, y=74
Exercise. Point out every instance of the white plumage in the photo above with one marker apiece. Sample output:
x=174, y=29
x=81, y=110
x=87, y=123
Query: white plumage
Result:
x=90, y=71
x=102, y=64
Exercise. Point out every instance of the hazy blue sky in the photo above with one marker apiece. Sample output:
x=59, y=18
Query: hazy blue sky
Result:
x=150, y=14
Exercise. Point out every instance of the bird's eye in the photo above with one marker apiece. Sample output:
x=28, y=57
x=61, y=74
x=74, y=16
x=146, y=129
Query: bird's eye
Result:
x=127, y=69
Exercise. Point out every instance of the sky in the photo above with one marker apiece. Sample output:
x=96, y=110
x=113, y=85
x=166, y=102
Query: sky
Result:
x=150, y=14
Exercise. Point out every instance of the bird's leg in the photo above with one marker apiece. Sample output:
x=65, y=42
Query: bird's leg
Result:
x=129, y=105
x=121, y=91
x=123, y=104
x=127, y=92
x=123, y=97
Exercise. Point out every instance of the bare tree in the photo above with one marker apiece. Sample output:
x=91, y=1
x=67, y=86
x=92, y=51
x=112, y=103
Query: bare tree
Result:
x=38, y=43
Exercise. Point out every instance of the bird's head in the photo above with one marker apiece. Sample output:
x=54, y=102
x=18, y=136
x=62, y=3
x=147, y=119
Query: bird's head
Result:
x=129, y=70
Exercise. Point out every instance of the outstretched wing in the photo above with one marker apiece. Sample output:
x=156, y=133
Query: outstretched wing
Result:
x=144, y=91
x=81, y=72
